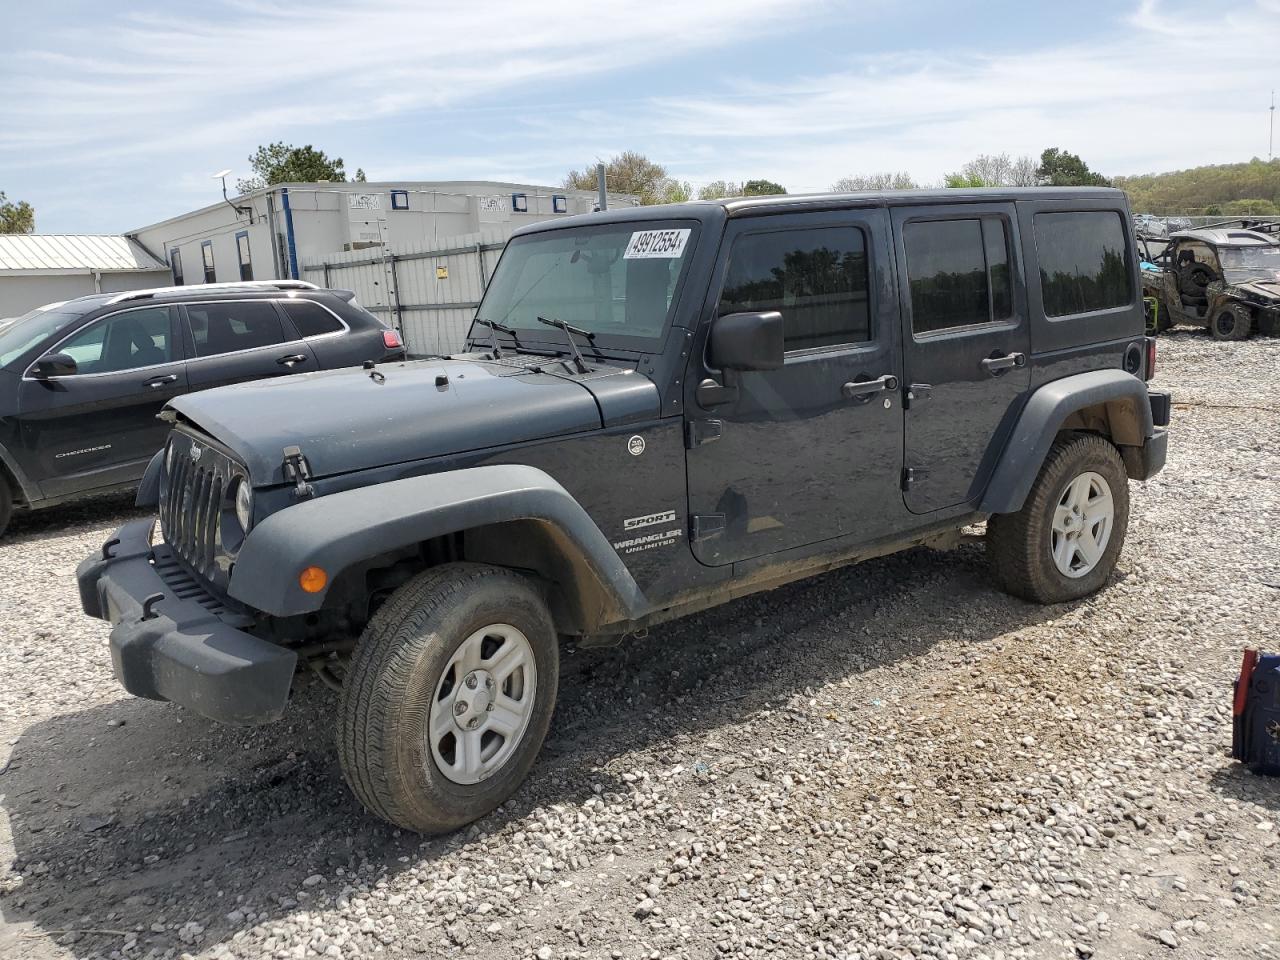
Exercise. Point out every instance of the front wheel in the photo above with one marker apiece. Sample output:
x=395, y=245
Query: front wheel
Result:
x=449, y=697
x=1063, y=543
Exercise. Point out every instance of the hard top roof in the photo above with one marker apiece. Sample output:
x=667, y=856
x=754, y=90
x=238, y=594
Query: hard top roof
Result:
x=717, y=210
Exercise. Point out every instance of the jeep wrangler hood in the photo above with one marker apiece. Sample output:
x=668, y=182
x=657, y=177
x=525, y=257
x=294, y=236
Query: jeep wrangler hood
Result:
x=354, y=419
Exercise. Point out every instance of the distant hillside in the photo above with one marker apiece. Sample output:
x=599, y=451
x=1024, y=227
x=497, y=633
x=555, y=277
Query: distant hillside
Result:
x=1229, y=188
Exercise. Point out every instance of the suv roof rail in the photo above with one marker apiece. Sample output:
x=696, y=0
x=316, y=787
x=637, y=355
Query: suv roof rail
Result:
x=1245, y=223
x=216, y=288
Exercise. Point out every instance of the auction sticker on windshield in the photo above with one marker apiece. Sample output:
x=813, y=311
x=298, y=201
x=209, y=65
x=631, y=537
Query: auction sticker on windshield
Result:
x=656, y=244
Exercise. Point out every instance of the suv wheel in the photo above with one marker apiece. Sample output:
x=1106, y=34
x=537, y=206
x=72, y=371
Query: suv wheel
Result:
x=1232, y=322
x=1063, y=543
x=449, y=697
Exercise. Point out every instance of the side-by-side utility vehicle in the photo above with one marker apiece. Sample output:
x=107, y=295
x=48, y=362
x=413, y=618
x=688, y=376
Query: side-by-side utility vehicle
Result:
x=657, y=410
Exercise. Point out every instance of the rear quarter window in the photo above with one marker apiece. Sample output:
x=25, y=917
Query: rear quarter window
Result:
x=311, y=319
x=1084, y=264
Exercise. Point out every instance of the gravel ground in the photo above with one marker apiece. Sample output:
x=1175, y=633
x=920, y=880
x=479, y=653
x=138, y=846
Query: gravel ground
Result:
x=891, y=761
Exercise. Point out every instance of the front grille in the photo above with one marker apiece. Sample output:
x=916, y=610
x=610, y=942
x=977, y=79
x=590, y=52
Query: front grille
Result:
x=194, y=496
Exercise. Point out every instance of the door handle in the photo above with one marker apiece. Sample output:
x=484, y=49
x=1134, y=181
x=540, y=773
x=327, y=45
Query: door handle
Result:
x=997, y=364
x=161, y=381
x=293, y=358
x=862, y=390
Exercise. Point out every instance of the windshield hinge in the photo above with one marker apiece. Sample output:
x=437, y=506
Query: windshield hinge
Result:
x=297, y=471
x=704, y=526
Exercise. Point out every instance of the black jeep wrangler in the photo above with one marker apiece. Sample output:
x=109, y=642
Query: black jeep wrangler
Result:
x=659, y=409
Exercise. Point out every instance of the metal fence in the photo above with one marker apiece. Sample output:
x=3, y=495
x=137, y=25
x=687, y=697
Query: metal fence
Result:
x=428, y=294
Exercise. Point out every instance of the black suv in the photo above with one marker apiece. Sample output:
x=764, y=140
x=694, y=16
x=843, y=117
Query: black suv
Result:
x=81, y=382
x=660, y=409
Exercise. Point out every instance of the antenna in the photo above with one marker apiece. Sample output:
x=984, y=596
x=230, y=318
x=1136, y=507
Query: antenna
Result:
x=1271, y=134
x=222, y=175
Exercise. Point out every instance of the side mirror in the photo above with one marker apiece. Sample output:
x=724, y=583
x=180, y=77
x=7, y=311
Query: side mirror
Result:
x=746, y=341
x=55, y=365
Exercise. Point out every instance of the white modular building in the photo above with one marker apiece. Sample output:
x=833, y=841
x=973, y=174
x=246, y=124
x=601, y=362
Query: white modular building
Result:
x=269, y=234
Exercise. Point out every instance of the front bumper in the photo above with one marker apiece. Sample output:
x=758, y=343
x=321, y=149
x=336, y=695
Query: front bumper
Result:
x=173, y=640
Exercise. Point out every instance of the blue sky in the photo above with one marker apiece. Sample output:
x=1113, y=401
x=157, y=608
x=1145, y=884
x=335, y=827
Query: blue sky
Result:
x=114, y=115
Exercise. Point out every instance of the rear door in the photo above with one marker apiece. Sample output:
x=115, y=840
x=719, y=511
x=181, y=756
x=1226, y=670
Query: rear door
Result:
x=811, y=451
x=966, y=342
x=231, y=341
x=98, y=427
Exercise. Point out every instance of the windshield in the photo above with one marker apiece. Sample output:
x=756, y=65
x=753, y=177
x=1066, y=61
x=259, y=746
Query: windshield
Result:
x=614, y=280
x=1250, y=263
x=21, y=334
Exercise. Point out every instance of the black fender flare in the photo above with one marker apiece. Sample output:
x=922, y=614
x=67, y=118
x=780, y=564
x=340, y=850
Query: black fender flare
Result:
x=1044, y=415
x=27, y=487
x=149, y=486
x=337, y=531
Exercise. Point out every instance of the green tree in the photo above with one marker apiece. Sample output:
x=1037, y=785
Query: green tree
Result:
x=762, y=188
x=628, y=172
x=284, y=163
x=966, y=180
x=16, y=216
x=1203, y=190
x=1061, y=169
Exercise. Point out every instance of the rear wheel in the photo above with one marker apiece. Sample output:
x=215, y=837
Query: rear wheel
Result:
x=449, y=697
x=1232, y=322
x=1063, y=543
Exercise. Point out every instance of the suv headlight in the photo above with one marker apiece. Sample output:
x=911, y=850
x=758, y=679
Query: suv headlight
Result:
x=244, y=503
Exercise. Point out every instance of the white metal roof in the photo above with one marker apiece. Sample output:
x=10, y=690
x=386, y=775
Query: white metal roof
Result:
x=67, y=253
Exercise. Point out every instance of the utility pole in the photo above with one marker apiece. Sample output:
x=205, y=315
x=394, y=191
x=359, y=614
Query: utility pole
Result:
x=1271, y=135
x=600, y=185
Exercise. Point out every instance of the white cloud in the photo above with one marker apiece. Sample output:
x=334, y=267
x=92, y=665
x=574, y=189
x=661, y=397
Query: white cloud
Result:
x=1122, y=104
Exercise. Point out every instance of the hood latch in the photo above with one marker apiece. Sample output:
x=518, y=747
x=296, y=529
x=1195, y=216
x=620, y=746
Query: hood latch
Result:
x=297, y=471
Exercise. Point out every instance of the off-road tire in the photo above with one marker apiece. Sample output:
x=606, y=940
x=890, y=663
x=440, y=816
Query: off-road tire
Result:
x=1232, y=322
x=395, y=670
x=6, y=503
x=1019, y=545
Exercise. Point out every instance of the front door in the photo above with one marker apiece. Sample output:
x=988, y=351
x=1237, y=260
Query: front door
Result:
x=811, y=451
x=966, y=342
x=98, y=427
x=232, y=341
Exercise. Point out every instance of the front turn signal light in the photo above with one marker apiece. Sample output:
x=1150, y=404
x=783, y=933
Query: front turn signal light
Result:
x=313, y=579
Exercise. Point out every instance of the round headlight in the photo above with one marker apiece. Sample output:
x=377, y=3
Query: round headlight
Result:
x=244, y=503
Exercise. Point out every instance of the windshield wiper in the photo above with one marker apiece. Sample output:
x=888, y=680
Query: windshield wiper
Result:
x=570, y=331
x=494, y=326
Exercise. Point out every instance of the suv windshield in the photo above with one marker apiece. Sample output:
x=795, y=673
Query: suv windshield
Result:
x=1250, y=263
x=19, y=335
x=616, y=280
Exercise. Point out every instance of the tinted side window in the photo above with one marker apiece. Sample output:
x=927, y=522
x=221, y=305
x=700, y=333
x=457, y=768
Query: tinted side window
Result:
x=125, y=341
x=311, y=319
x=958, y=272
x=228, y=327
x=1083, y=262
x=817, y=279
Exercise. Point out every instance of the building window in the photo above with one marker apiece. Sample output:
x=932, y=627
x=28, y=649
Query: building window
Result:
x=399, y=199
x=242, y=250
x=520, y=203
x=175, y=264
x=1083, y=262
x=958, y=271
x=206, y=253
x=817, y=280
x=560, y=204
